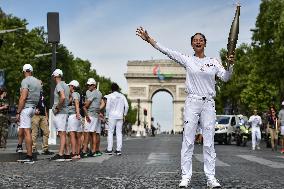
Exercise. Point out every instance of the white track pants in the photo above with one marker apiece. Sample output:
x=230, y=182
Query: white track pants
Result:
x=114, y=123
x=203, y=110
x=255, y=136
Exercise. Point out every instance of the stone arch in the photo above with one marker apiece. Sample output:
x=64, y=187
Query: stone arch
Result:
x=143, y=83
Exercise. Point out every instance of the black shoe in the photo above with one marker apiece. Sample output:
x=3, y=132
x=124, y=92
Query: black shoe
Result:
x=19, y=148
x=47, y=152
x=68, y=157
x=118, y=153
x=98, y=153
x=35, y=152
x=27, y=160
x=84, y=155
x=58, y=157
x=108, y=152
x=91, y=154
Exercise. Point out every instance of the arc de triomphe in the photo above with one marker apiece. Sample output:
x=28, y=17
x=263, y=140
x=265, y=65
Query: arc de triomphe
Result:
x=146, y=78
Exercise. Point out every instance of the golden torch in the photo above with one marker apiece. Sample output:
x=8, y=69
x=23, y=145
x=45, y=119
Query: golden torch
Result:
x=233, y=35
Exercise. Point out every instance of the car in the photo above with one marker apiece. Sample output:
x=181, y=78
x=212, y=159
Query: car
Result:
x=225, y=128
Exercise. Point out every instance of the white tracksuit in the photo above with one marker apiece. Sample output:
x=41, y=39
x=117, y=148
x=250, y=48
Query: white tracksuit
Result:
x=255, y=121
x=199, y=106
x=116, y=108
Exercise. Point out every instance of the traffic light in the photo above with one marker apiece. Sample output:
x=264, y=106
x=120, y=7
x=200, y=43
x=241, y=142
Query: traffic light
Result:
x=145, y=112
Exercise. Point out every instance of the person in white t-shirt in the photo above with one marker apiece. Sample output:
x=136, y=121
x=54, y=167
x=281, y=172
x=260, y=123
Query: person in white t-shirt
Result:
x=201, y=72
x=256, y=122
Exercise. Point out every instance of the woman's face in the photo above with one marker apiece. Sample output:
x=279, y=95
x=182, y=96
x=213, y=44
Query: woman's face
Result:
x=198, y=43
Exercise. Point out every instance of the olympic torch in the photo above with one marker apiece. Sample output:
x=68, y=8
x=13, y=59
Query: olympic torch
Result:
x=233, y=35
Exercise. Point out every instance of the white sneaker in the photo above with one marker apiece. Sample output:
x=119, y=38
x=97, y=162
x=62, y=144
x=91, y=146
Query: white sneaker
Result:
x=253, y=148
x=184, y=182
x=257, y=147
x=213, y=183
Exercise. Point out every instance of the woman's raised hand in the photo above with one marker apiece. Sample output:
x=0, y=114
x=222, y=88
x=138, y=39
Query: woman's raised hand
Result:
x=142, y=33
x=145, y=36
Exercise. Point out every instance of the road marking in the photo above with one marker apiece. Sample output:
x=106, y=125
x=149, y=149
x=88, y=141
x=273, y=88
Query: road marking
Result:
x=262, y=161
x=98, y=159
x=169, y=172
x=159, y=158
x=218, y=162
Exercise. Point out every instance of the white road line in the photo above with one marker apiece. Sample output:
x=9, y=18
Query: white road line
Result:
x=99, y=159
x=218, y=162
x=162, y=158
x=168, y=172
x=262, y=161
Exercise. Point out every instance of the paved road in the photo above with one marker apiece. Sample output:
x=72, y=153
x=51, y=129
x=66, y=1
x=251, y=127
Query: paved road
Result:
x=152, y=162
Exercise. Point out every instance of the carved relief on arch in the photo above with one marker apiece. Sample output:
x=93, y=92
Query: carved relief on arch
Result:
x=169, y=88
x=137, y=91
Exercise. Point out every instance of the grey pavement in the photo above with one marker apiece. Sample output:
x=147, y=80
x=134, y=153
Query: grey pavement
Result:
x=151, y=162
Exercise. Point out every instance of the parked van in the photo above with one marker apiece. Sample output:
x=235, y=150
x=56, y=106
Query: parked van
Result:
x=225, y=128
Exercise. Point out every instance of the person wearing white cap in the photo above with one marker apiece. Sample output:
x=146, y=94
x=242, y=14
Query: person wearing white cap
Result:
x=60, y=111
x=93, y=105
x=74, y=119
x=281, y=123
x=116, y=110
x=29, y=97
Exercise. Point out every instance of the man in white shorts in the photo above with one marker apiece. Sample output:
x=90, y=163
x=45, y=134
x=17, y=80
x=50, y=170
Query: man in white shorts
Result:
x=30, y=94
x=93, y=105
x=281, y=123
x=116, y=110
x=60, y=111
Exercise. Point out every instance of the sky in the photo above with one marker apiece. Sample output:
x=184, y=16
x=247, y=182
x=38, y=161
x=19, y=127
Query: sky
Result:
x=103, y=31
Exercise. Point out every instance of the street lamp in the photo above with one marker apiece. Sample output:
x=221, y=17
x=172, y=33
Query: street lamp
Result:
x=11, y=30
x=44, y=54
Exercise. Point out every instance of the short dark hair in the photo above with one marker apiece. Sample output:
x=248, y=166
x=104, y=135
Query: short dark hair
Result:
x=114, y=87
x=203, y=36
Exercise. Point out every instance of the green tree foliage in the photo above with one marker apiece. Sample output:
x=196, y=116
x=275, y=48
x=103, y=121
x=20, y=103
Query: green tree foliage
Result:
x=21, y=46
x=257, y=81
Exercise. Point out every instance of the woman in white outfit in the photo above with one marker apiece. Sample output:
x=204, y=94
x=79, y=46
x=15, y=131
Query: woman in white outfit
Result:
x=199, y=104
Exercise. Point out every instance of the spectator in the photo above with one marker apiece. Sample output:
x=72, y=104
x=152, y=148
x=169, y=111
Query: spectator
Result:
x=273, y=128
x=281, y=124
x=153, y=128
x=4, y=118
x=40, y=121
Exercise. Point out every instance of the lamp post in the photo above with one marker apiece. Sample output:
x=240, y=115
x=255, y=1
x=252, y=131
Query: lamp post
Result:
x=138, y=118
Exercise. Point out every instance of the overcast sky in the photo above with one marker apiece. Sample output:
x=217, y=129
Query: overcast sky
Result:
x=103, y=31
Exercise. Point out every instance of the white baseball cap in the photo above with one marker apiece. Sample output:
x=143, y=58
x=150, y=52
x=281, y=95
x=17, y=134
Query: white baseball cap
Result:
x=282, y=103
x=27, y=67
x=74, y=83
x=57, y=73
x=91, y=81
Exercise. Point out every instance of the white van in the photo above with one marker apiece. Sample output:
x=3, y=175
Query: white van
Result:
x=225, y=128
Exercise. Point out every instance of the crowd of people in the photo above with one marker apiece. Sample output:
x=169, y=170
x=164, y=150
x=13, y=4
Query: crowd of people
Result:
x=77, y=121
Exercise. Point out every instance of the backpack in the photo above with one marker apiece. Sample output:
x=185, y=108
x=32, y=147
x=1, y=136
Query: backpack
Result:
x=81, y=105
